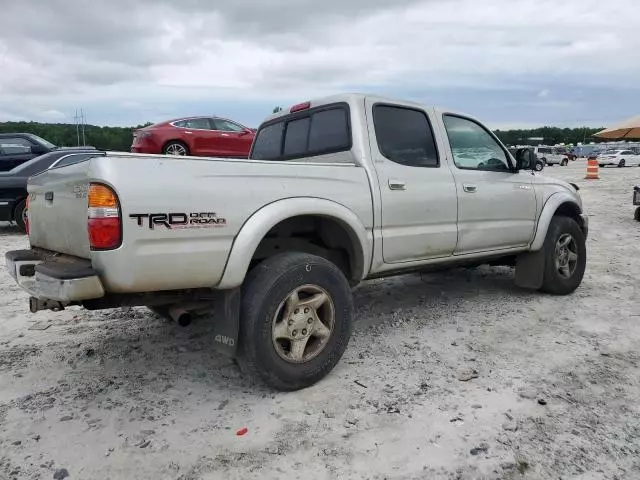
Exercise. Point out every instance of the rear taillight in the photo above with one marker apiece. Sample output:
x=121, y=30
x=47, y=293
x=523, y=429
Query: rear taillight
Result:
x=26, y=215
x=104, y=224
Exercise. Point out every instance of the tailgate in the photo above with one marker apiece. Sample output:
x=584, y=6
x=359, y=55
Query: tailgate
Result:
x=58, y=210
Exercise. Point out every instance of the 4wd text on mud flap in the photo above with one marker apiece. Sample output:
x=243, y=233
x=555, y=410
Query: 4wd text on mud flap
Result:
x=225, y=340
x=179, y=220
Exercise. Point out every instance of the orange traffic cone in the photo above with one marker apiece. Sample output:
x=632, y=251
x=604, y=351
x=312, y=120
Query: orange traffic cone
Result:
x=593, y=169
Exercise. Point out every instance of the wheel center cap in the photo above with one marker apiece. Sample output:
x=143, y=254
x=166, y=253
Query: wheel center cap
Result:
x=300, y=323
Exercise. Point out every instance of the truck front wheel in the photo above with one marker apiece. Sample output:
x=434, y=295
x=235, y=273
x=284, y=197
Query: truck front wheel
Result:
x=295, y=320
x=565, y=256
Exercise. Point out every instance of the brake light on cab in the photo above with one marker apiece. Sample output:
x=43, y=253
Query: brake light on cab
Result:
x=103, y=220
x=299, y=107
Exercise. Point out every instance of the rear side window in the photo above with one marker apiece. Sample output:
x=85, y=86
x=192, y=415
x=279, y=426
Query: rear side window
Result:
x=314, y=132
x=404, y=136
x=296, y=137
x=329, y=130
x=14, y=146
x=268, y=142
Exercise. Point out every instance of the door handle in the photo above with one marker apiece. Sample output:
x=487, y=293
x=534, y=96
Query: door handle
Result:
x=224, y=134
x=190, y=133
x=397, y=185
x=469, y=188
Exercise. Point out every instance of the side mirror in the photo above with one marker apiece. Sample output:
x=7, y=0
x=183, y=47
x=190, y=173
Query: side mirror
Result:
x=38, y=149
x=524, y=159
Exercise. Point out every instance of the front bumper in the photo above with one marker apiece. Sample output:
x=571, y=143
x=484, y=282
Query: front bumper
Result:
x=60, y=278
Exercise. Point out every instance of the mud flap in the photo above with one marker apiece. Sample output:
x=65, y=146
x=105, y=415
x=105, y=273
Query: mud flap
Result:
x=530, y=270
x=227, y=321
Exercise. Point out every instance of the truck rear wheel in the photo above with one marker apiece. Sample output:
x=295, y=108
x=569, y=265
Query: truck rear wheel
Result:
x=565, y=256
x=295, y=320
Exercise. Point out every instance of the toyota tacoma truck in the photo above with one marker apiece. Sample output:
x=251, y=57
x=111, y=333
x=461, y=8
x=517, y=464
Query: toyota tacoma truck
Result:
x=335, y=191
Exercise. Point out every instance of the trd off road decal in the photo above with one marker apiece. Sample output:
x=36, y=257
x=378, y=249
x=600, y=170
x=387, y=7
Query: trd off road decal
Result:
x=175, y=221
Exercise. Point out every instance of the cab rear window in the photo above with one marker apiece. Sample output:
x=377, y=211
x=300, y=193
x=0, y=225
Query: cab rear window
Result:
x=317, y=131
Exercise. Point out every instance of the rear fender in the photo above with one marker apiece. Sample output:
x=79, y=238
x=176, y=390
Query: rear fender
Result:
x=263, y=220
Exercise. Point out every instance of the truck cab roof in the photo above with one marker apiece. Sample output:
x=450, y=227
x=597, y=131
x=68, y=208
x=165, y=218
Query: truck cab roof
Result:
x=351, y=99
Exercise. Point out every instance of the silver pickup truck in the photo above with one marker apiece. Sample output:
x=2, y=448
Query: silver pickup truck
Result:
x=336, y=191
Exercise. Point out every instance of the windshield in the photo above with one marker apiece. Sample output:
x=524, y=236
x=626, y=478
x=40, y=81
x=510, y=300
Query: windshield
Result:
x=44, y=142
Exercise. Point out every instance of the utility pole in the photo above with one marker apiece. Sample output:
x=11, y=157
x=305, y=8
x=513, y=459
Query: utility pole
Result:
x=84, y=120
x=80, y=120
x=76, y=119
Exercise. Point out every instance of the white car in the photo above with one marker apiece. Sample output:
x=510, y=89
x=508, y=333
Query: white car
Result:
x=550, y=156
x=619, y=158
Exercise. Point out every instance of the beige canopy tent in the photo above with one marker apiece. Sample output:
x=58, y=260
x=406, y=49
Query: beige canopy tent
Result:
x=626, y=130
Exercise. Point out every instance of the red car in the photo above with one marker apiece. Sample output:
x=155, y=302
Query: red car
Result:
x=198, y=136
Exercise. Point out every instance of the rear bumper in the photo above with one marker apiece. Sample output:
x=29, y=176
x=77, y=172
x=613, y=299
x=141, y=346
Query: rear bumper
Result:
x=54, y=277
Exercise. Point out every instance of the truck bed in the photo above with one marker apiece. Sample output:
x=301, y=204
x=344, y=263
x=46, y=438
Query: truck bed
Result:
x=221, y=194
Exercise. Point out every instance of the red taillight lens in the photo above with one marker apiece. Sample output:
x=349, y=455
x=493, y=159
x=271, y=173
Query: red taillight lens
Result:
x=104, y=224
x=104, y=233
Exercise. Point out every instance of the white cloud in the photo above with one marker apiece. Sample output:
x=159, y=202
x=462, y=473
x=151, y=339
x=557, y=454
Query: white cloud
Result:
x=68, y=53
x=52, y=115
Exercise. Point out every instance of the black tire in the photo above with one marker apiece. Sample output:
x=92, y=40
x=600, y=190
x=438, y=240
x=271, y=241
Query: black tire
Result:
x=553, y=281
x=175, y=146
x=19, y=215
x=621, y=163
x=601, y=165
x=263, y=292
x=539, y=166
x=564, y=163
x=636, y=215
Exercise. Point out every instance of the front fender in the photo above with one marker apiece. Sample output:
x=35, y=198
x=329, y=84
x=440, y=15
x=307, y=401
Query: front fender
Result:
x=263, y=220
x=554, y=202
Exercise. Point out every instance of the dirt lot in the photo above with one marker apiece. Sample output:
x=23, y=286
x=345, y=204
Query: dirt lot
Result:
x=457, y=375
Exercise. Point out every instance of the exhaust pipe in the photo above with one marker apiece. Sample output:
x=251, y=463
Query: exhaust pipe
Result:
x=182, y=313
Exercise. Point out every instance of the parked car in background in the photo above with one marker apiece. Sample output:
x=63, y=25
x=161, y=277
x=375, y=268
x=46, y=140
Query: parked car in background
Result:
x=196, y=136
x=551, y=156
x=17, y=148
x=13, y=184
x=619, y=158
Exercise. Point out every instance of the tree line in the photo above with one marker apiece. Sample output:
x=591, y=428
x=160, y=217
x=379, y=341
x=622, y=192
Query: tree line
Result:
x=119, y=138
x=67, y=134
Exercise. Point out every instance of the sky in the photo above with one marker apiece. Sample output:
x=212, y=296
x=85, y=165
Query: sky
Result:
x=511, y=63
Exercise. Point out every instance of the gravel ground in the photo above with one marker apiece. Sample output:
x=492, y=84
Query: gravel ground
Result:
x=456, y=375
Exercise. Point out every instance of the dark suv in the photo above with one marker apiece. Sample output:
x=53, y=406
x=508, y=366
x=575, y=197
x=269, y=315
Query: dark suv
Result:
x=17, y=148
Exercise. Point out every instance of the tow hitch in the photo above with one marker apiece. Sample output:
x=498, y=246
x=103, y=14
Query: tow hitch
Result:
x=36, y=304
